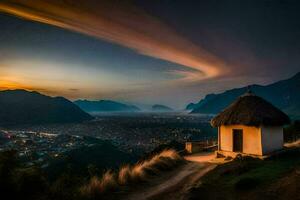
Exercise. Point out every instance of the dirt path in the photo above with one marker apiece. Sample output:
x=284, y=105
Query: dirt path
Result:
x=177, y=185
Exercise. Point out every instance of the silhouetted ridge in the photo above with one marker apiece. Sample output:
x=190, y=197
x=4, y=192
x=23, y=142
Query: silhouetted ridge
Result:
x=162, y=108
x=105, y=106
x=24, y=107
x=283, y=94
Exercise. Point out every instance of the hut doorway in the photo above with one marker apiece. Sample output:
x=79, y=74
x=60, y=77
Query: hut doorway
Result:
x=237, y=140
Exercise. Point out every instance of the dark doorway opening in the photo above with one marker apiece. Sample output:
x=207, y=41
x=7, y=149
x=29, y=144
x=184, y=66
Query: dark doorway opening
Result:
x=237, y=140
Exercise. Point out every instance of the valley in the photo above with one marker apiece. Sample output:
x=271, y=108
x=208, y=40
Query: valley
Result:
x=133, y=134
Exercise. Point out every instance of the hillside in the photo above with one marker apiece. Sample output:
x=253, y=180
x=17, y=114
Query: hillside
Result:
x=283, y=94
x=105, y=106
x=101, y=154
x=24, y=107
x=276, y=177
x=99, y=171
x=161, y=108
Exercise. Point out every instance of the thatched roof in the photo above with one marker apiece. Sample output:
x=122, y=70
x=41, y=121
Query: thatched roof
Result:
x=251, y=110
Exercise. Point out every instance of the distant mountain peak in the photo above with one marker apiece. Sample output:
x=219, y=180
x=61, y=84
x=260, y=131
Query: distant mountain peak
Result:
x=283, y=94
x=296, y=76
x=105, y=106
x=30, y=107
x=19, y=91
x=159, y=107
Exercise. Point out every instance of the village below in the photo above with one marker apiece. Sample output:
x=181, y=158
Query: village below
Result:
x=149, y=100
x=156, y=155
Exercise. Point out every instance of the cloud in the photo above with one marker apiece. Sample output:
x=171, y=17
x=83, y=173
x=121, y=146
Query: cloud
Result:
x=122, y=23
x=74, y=89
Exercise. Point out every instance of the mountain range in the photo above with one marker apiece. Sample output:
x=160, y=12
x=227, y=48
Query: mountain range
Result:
x=283, y=94
x=161, y=108
x=105, y=106
x=24, y=107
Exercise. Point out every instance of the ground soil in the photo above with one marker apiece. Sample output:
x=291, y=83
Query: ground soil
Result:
x=176, y=184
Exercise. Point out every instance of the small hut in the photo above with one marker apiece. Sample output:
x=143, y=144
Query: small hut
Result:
x=250, y=125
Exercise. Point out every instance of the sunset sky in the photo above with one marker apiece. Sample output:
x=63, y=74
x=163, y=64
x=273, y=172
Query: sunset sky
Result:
x=160, y=51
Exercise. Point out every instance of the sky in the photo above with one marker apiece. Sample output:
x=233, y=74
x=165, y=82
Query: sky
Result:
x=170, y=52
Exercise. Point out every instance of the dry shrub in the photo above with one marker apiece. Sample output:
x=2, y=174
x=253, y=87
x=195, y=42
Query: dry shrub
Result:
x=124, y=175
x=96, y=187
x=127, y=175
x=165, y=160
x=92, y=189
x=108, y=181
x=137, y=172
x=170, y=153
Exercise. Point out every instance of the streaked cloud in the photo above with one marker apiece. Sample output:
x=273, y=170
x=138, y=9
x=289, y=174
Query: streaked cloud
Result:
x=124, y=24
x=74, y=89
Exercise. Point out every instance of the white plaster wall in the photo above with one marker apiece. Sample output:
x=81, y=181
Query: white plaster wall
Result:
x=225, y=138
x=251, y=139
x=272, y=138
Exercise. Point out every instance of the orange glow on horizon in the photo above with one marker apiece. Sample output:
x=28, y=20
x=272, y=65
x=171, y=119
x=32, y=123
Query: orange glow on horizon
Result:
x=11, y=85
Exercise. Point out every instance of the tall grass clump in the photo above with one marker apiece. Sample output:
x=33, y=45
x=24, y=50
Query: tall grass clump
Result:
x=129, y=175
x=124, y=175
x=96, y=187
x=165, y=160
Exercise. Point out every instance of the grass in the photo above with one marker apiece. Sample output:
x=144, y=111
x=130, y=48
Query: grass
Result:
x=124, y=175
x=96, y=187
x=129, y=175
x=246, y=177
